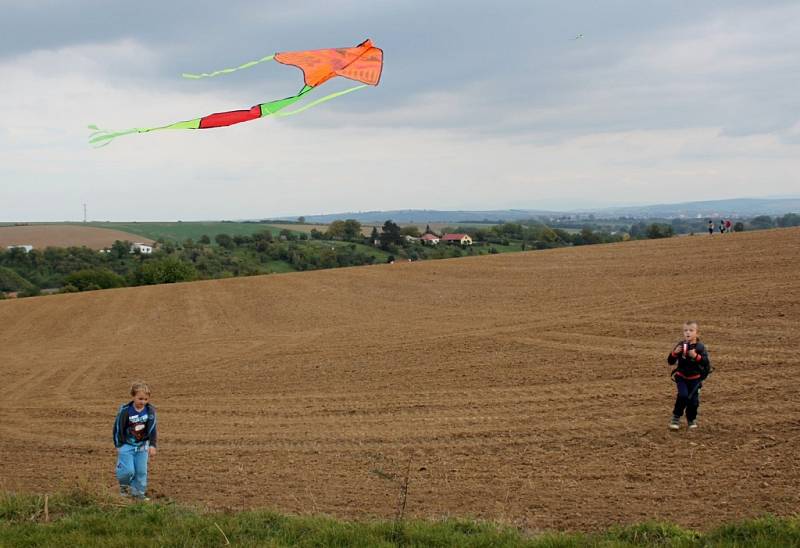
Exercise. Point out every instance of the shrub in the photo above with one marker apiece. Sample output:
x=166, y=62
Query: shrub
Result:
x=11, y=281
x=164, y=271
x=91, y=279
x=790, y=219
x=32, y=292
x=762, y=221
x=655, y=231
x=223, y=240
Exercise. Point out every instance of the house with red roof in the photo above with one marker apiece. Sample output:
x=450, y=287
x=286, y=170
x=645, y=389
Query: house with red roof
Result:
x=461, y=239
x=429, y=239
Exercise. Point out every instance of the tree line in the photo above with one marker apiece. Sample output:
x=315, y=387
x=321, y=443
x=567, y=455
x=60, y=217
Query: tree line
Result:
x=343, y=243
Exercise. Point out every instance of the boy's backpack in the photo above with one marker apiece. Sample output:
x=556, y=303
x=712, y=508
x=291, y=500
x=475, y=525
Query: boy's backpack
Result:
x=707, y=369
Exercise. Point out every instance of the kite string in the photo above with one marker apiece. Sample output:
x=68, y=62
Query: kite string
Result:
x=227, y=70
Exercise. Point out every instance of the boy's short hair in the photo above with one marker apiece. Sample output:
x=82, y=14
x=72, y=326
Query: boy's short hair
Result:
x=687, y=322
x=140, y=386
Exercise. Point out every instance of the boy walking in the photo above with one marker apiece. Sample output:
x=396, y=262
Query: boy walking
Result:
x=693, y=366
x=135, y=437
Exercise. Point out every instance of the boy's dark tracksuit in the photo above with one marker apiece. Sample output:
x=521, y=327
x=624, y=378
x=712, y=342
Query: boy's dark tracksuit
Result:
x=689, y=375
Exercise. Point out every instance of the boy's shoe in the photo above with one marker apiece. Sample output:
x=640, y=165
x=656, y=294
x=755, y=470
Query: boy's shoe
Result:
x=124, y=490
x=675, y=423
x=692, y=425
x=142, y=498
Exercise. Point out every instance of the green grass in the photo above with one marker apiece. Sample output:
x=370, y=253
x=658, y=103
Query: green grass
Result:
x=379, y=254
x=279, y=267
x=511, y=248
x=180, y=231
x=80, y=517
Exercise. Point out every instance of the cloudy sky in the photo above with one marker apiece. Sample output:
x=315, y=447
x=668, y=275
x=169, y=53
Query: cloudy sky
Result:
x=482, y=105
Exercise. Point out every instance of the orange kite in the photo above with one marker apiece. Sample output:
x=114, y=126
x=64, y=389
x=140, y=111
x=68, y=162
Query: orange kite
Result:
x=362, y=63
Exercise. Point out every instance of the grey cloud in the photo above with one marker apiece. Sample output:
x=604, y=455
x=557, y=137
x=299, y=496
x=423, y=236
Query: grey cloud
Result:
x=512, y=65
x=462, y=80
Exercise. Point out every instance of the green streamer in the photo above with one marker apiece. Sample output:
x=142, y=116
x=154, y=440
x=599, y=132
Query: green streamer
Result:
x=103, y=137
x=319, y=101
x=227, y=70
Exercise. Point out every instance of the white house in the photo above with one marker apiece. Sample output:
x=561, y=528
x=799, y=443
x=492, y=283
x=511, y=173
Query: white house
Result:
x=27, y=247
x=144, y=249
x=429, y=239
x=462, y=239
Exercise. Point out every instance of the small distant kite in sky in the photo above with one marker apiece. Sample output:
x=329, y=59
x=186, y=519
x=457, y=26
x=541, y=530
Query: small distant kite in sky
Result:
x=362, y=63
x=578, y=37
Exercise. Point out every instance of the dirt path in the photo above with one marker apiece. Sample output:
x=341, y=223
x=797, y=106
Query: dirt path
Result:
x=530, y=388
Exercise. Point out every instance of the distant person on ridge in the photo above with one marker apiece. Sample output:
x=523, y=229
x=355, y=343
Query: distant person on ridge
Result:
x=693, y=366
x=710, y=227
x=721, y=226
x=727, y=225
x=135, y=437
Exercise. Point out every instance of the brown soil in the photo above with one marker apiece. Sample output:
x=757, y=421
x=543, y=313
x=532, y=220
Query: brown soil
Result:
x=529, y=388
x=41, y=236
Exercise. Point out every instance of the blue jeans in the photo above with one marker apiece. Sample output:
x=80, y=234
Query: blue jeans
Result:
x=132, y=468
x=688, y=398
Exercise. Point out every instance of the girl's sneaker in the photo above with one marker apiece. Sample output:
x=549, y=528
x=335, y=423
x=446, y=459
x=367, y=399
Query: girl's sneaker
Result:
x=675, y=423
x=692, y=425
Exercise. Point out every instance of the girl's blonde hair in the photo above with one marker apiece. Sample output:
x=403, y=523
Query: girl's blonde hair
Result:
x=140, y=386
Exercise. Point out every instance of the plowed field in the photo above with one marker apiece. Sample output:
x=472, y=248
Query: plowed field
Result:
x=529, y=388
x=41, y=236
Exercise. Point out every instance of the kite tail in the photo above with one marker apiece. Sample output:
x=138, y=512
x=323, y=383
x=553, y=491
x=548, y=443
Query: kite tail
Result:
x=227, y=70
x=320, y=100
x=102, y=137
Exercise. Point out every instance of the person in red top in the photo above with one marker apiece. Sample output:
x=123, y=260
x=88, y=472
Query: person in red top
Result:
x=693, y=366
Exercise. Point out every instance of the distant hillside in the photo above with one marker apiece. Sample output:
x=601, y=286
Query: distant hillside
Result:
x=738, y=207
x=429, y=216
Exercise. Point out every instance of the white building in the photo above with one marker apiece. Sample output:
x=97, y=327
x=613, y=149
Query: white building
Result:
x=430, y=239
x=144, y=249
x=27, y=247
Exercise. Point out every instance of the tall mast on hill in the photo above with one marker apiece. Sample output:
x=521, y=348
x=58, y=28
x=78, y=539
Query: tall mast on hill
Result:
x=84, y=213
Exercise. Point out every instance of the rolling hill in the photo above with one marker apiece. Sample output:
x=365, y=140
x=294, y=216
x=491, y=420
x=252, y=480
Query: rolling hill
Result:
x=530, y=388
